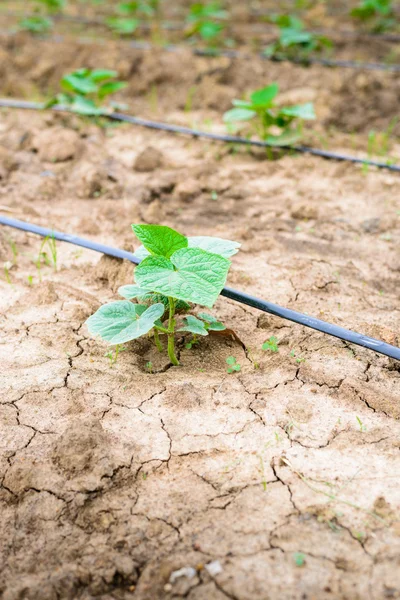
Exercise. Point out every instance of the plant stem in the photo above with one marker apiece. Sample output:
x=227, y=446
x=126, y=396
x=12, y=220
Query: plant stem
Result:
x=171, y=331
x=157, y=341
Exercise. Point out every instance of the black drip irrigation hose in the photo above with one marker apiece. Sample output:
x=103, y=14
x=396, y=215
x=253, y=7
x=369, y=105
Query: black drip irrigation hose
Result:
x=230, y=139
x=210, y=53
x=274, y=309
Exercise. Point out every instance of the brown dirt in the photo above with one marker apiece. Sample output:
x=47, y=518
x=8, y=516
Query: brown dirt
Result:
x=287, y=473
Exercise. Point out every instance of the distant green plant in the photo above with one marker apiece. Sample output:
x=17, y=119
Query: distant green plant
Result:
x=233, y=365
x=379, y=14
x=299, y=559
x=36, y=24
x=204, y=21
x=294, y=41
x=174, y=271
x=122, y=26
x=53, y=5
x=271, y=344
x=146, y=8
x=264, y=115
x=85, y=90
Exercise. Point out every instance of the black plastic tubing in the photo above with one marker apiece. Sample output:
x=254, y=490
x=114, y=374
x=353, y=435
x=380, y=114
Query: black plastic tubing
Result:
x=268, y=307
x=230, y=139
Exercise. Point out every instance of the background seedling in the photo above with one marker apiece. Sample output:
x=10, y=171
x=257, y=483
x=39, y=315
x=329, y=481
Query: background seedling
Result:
x=294, y=41
x=264, y=116
x=174, y=271
x=361, y=425
x=149, y=366
x=379, y=14
x=204, y=22
x=299, y=559
x=7, y=266
x=233, y=366
x=86, y=89
x=36, y=24
x=271, y=344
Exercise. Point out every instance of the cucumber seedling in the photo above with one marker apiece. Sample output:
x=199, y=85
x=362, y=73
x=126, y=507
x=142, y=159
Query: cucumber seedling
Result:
x=129, y=15
x=38, y=22
x=175, y=271
x=85, y=89
x=263, y=116
x=204, y=22
x=378, y=14
x=294, y=41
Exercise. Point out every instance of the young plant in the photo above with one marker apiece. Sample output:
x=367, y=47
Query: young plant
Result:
x=53, y=6
x=233, y=366
x=36, y=24
x=294, y=41
x=265, y=116
x=175, y=271
x=379, y=14
x=204, y=22
x=271, y=344
x=85, y=89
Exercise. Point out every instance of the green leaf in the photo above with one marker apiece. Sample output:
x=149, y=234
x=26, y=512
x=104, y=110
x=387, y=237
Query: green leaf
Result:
x=238, y=114
x=84, y=106
x=302, y=111
x=160, y=240
x=122, y=321
x=212, y=323
x=193, y=325
x=263, y=98
x=111, y=87
x=215, y=245
x=292, y=37
x=271, y=344
x=209, y=30
x=76, y=83
x=122, y=26
x=192, y=275
x=99, y=75
x=132, y=291
x=285, y=139
x=241, y=103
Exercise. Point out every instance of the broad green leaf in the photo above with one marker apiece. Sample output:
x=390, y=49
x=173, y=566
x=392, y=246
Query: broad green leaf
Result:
x=123, y=26
x=285, y=139
x=215, y=245
x=241, y=103
x=111, y=87
x=193, y=325
x=76, y=83
x=212, y=322
x=302, y=111
x=238, y=114
x=160, y=240
x=263, y=98
x=192, y=275
x=85, y=106
x=224, y=248
x=99, y=75
x=291, y=37
x=132, y=291
x=209, y=30
x=122, y=321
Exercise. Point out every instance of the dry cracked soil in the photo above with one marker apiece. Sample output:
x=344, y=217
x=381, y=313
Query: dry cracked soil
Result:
x=279, y=481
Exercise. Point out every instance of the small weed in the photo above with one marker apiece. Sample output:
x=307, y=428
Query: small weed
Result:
x=265, y=117
x=271, y=344
x=149, y=366
x=361, y=425
x=299, y=559
x=85, y=89
x=36, y=24
x=233, y=366
x=7, y=267
x=30, y=280
x=299, y=359
x=113, y=353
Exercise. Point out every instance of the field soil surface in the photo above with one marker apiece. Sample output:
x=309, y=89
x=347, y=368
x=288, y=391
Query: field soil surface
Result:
x=128, y=481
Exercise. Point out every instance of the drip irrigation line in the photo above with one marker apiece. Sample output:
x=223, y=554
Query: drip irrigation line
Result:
x=241, y=297
x=212, y=53
x=230, y=139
